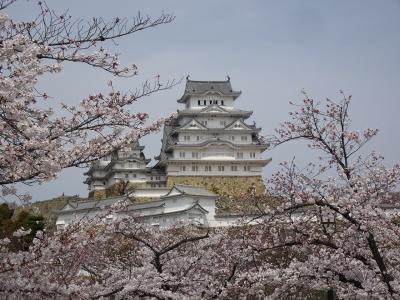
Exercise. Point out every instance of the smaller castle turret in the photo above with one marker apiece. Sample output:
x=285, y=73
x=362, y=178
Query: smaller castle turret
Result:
x=123, y=169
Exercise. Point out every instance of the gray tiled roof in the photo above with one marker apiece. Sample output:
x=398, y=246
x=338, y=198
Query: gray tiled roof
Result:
x=92, y=204
x=201, y=87
x=234, y=111
x=194, y=190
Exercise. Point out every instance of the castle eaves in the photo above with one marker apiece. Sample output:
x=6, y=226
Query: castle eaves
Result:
x=204, y=87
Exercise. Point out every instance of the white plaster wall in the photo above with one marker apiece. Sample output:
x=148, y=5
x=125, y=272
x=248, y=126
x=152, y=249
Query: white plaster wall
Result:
x=150, y=192
x=193, y=100
x=204, y=136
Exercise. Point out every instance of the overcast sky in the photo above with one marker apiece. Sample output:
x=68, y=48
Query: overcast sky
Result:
x=270, y=49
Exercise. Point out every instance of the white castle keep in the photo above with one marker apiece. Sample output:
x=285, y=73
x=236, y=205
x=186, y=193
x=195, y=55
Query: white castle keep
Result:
x=208, y=144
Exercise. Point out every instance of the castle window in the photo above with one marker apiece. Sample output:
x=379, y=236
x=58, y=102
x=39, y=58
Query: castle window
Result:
x=204, y=123
x=223, y=123
x=186, y=137
x=252, y=155
x=243, y=138
x=247, y=168
x=222, y=102
x=233, y=168
x=221, y=168
x=207, y=168
x=183, y=168
x=195, y=155
x=210, y=101
x=232, y=137
x=134, y=176
x=239, y=155
x=157, y=177
x=198, y=138
x=198, y=102
x=205, y=102
x=195, y=168
x=126, y=175
x=182, y=154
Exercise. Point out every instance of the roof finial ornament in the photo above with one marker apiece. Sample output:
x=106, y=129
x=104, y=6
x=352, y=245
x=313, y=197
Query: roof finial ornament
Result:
x=227, y=76
x=187, y=77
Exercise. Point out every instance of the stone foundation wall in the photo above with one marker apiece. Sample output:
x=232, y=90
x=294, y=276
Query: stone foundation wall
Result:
x=97, y=194
x=115, y=190
x=221, y=185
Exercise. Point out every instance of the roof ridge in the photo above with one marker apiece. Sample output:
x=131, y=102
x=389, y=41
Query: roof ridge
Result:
x=208, y=81
x=190, y=185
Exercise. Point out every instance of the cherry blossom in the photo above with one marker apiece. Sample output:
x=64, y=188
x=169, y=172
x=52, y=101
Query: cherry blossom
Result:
x=36, y=142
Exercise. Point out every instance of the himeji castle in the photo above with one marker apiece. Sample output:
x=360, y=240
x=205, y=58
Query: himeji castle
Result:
x=209, y=150
x=209, y=144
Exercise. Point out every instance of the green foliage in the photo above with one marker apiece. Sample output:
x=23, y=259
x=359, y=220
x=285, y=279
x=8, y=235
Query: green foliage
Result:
x=47, y=209
x=6, y=212
x=11, y=221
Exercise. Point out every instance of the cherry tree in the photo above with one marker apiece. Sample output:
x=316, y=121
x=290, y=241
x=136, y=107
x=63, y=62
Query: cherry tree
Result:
x=310, y=232
x=36, y=142
x=330, y=222
x=126, y=259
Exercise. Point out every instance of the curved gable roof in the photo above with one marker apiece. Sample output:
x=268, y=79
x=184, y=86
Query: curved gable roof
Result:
x=194, y=87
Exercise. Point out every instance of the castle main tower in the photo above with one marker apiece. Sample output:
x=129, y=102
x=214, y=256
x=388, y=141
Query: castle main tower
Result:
x=210, y=144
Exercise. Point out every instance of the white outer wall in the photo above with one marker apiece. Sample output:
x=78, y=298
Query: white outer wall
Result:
x=155, y=214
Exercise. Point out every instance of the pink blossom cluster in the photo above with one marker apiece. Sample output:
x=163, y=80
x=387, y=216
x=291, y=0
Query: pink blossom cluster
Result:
x=36, y=142
x=308, y=234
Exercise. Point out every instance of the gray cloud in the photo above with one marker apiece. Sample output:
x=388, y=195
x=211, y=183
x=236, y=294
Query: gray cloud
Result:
x=271, y=50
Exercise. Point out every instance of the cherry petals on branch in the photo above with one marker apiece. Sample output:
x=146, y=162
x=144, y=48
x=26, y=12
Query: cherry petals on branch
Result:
x=36, y=143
